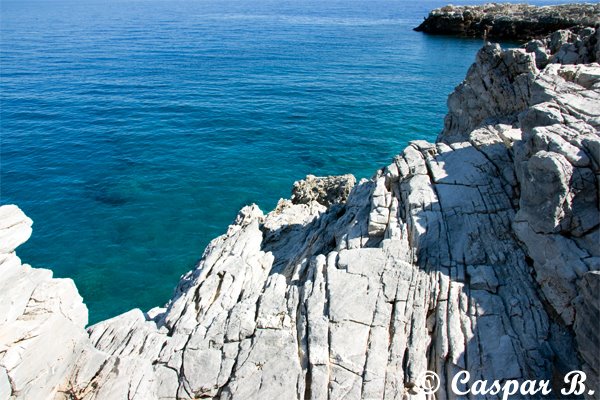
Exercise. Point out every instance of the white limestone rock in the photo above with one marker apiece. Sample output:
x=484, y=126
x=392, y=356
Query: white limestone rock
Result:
x=473, y=253
x=15, y=228
x=41, y=320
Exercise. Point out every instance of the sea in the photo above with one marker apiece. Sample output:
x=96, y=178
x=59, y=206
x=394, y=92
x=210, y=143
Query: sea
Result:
x=132, y=131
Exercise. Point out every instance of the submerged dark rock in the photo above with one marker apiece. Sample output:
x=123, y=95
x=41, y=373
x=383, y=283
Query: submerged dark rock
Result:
x=505, y=21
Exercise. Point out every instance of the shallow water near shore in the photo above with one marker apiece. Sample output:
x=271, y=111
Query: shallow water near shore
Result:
x=133, y=131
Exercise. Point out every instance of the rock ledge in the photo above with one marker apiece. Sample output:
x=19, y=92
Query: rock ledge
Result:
x=506, y=21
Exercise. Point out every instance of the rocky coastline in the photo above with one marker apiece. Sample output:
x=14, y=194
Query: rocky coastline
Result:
x=477, y=253
x=507, y=21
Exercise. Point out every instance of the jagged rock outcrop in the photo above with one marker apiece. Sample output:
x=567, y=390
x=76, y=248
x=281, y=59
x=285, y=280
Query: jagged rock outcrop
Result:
x=325, y=190
x=507, y=21
x=42, y=319
x=501, y=84
x=478, y=252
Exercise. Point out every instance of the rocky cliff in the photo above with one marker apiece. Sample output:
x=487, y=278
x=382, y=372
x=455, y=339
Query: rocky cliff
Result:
x=479, y=252
x=506, y=21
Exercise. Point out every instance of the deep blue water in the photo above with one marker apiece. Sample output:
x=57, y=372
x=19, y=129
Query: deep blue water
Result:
x=133, y=131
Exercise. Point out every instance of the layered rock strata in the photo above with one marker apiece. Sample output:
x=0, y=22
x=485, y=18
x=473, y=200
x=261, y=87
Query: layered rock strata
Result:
x=478, y=252
x=506, y=21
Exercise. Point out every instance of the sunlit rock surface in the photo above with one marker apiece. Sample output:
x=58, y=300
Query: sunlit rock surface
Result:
x=478, y=252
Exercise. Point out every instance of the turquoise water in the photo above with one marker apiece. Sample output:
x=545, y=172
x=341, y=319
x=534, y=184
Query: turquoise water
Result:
x=133, y=131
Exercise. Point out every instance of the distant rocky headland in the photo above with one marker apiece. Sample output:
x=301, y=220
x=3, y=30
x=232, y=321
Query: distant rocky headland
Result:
x=507, y=21
x=476, y=253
